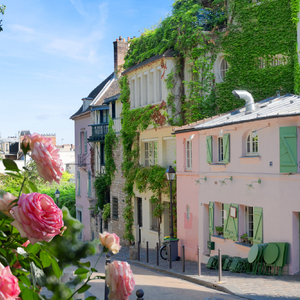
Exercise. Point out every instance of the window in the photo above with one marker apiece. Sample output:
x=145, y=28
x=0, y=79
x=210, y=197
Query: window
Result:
x=79, y=218
x=151, y=81
x=272, y=61
x=154, y=220
x=7, y=147
x=113, y=109
x=132, y=93
x=188, y=154
x=139, y=90
x=223, y=68
x=220, y=149
x=249, y=220
x=104, y=116
x=78, y=183
x=115, y=212
x=223, y=215
x=102, y=154
x=159, y=85
x=145, y=94
x=150, y=153
x=252, y=143
x=89, y=184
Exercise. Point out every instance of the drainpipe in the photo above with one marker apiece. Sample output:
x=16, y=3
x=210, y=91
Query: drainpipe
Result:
x=250, y=106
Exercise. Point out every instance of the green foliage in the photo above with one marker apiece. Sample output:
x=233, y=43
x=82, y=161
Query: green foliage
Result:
x=2, y=9
x=106, y=212
x=101, y=186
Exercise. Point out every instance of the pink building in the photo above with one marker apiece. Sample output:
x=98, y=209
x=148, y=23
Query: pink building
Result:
x=240, y=171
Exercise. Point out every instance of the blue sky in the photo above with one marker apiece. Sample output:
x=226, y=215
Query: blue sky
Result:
x=53, y=53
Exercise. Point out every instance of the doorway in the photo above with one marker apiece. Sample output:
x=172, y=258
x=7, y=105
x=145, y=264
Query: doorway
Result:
x=140, y=216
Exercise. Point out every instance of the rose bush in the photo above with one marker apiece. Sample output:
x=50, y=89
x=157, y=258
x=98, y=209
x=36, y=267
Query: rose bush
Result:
x=110, y=241
x=6, y=200
x=120, y=281
x=45, y=155
x=37, y=217
x=9, y=287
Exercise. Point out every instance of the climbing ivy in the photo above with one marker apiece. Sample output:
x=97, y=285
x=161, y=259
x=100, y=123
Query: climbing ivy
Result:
x=251, y=36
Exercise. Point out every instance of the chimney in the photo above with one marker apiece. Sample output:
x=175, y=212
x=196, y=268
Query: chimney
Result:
x=120, y=50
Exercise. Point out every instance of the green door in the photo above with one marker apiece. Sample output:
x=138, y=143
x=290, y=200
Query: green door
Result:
x=231, y=224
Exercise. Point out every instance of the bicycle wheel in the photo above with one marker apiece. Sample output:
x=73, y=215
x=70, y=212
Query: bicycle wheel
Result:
x=164, y=252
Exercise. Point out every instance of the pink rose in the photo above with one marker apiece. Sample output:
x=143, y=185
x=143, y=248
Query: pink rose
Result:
x=120, y=280
x=110, y=241
x=37, y=217
x=5, y=202
x=46, y=157
x=9, y=287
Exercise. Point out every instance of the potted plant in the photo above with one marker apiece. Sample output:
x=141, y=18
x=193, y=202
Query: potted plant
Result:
x=250, y=240
x=244, y=238
x=219, y=230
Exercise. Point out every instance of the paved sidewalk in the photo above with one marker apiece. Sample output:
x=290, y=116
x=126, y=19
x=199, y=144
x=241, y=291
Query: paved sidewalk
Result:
x=242, y=285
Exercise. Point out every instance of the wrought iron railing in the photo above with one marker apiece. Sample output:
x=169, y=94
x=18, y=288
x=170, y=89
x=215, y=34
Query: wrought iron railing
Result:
x=98, y=133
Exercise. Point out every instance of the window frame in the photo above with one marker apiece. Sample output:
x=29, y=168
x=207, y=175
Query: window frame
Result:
x=249, y=219
x=115, y=208
x=220, y=149
x=251, y=144
x=223, y=69
x=151, y=153
x=78, y=193
x=89, y=184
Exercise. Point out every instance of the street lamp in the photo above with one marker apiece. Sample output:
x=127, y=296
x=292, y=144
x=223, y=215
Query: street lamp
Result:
x=57, y=194
x=170, y=173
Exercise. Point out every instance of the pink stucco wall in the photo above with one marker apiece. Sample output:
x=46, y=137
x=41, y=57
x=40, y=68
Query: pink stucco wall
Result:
x=278, y=193
x=82, y=202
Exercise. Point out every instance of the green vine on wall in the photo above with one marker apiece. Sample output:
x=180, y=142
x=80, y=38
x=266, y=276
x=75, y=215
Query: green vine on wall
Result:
x=103, y=181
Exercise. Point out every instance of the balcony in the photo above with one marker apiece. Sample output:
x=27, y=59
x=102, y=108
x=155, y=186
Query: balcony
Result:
x=98, y=133
x=82, y=160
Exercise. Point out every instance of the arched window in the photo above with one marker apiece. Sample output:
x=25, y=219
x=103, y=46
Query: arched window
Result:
x=223, y=68
x=252, y=143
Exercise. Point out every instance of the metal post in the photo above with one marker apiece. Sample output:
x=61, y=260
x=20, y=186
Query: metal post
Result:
x=139, y=251
x=147, y=250
x=171, y=207
x=183, y=259
x=199, y=262
x=157, y=254
x=220, y=265
x=106, y=289
x=170, y=256
x=140, y=295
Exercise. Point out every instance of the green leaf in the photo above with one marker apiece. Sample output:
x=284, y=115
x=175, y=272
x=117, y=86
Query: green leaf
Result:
x=81, y=271
x=29, y=294
x=38, y=275
x=4, y=261
x=91, y=298
x=86, y=264
x=25, y=280
x=36, y=260
x=16, y=175
x=32, y=186
x=25, y=190
x=10, y=165
x=55, y=267
x=45, y=258
x=34, y=248
x=84, y=288
x=93, y=270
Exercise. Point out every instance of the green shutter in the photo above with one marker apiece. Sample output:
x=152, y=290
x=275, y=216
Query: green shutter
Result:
x=211, y=218
x=209, y=157
x=226, y=149
x=80, y=142
x=85, y=142
x=288, y=149
x=257, y=225
x=78, y=183
x=231, y=225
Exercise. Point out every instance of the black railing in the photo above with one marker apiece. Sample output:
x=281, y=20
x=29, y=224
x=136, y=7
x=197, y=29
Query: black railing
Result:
x=82, y=160
x=98, y=133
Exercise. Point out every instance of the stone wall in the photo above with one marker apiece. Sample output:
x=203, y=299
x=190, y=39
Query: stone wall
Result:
x=117, y=226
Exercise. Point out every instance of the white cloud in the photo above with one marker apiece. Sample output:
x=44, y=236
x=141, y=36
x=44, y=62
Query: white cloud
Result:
x=79, y=7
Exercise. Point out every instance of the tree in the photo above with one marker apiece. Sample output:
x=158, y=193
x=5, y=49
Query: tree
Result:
x=2, y=9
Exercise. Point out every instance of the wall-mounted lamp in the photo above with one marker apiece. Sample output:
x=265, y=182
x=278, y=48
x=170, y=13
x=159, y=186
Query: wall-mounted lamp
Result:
x=254, y=132
x=251, y=184
x=221, y=132
x=223, y=181
x=198, y=181
x=192, y=136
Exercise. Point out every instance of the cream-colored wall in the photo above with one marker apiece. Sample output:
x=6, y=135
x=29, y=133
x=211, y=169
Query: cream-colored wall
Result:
x=117, y=120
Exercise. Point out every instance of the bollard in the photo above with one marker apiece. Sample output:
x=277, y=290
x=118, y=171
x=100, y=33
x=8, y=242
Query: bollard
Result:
x=170, y=256
x=183, y=259
x=157, y=254
x=139, y=251
x=106, y=289
x=199, y=262
x=220, y=265
x=147, y=249
x=140, y=295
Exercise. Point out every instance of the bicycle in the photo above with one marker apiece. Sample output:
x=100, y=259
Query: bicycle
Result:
x=164, y=251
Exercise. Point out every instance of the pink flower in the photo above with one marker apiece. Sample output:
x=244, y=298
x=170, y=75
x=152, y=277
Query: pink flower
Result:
x=9, y=287
x=5, y=202
x=46, y=157
x=37, y=217
x=120, y=280
x=110, y=241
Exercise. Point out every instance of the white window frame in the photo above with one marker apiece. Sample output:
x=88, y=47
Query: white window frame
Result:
x=223, y=68
x=151, y=86
x=139, y=90
x=159, y=85
x=251, y=142
x=222, y=215
x=132, y=93
x=145, y=88
x=150, y=153
x=188, y=154
x=249, y=221
x=220, y=149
